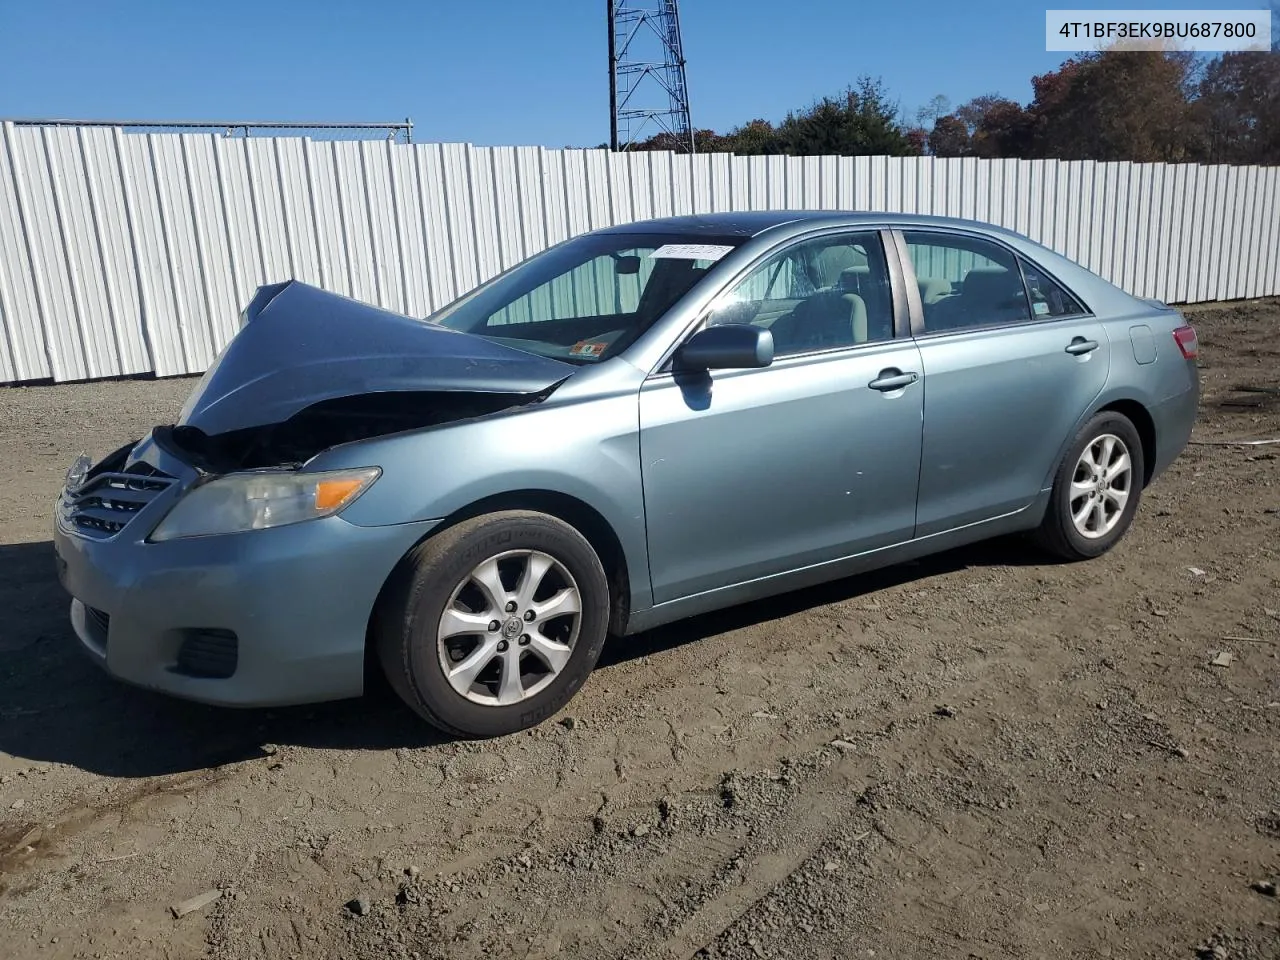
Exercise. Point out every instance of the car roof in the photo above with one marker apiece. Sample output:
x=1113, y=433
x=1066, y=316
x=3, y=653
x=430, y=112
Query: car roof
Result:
x=750, y=223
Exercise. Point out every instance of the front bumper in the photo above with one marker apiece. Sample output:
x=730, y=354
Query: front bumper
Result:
x=296, y=599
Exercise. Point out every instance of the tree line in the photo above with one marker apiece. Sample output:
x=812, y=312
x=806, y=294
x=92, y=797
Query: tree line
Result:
x=1109, y=105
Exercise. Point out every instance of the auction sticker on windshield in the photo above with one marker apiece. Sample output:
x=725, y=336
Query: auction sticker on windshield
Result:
x=586, y=348
x=690, y=251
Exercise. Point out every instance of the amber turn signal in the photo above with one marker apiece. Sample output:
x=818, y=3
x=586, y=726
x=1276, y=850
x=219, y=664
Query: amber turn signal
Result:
x=331, y=494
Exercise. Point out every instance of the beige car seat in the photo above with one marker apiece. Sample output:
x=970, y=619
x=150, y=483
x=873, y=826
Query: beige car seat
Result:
x=933, y=289
x=988, y=296
x=828, y=319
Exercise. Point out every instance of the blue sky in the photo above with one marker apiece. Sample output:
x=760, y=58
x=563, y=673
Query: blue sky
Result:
x=497, y=71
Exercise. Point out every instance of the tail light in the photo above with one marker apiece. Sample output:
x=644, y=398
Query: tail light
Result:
x=1187, y=341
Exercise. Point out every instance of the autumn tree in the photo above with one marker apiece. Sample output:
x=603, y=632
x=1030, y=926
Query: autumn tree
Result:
x=917, y=141
x=949, y=137
x=704, y=141
x=996, y=126
x=1111, y=105
x=1239, y=106
x=1116, y=105
x=927, y=116
x=754, y=138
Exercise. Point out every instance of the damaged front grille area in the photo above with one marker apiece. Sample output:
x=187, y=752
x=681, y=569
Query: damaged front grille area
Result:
x=330, y=423
x=108, y=500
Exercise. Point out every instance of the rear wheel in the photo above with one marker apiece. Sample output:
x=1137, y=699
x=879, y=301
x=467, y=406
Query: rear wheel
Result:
x=492, y=626
x=1095, y=491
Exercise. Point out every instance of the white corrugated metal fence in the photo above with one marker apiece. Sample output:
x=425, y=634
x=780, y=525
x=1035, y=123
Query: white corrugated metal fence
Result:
x=134, y=253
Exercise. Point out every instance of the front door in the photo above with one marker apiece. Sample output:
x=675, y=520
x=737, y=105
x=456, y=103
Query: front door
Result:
x=751, y=473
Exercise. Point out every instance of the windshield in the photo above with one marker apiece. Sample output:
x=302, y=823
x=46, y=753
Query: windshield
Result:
x=588, y=298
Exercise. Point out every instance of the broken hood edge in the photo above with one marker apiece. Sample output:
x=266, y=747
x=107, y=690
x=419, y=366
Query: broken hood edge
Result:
x=299, y=345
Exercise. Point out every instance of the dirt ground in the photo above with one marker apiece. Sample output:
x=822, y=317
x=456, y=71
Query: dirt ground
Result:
x=978, y=755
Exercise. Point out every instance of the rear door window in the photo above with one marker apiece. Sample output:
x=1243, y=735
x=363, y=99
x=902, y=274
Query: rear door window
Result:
x=966, y=282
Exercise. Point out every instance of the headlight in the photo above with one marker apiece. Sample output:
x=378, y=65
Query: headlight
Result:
x=256, y=501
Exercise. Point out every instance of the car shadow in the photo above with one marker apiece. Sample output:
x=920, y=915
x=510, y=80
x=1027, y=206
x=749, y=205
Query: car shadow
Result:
x=999, y=552
x=56, y=706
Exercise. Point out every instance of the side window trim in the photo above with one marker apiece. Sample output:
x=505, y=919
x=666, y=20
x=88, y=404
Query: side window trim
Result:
x=908, y=320
x=916, y=306
x=1026, y=294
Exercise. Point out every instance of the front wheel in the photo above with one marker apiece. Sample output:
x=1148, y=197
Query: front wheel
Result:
x=493, y=625
x=1095, y=491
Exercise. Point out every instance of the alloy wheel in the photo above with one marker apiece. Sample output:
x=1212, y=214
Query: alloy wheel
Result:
x=509, y=627
x=1100, y=486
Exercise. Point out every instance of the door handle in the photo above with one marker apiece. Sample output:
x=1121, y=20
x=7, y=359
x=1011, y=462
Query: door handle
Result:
x=1080, y=346
x=893, y=379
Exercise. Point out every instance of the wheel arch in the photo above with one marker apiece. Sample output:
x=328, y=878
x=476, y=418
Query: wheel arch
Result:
x=578, y=514
x=1137, y=414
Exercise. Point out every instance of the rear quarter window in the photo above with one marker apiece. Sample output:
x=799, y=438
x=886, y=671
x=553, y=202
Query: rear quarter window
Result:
x=1047, y=297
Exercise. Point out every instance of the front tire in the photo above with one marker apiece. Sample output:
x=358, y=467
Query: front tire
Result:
x=493, y=625
x=1096, y=490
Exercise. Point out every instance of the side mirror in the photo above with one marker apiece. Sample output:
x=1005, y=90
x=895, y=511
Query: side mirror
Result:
x=727, y=346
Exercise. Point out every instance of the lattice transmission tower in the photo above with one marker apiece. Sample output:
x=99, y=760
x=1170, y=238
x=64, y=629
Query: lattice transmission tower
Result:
x=647, y=90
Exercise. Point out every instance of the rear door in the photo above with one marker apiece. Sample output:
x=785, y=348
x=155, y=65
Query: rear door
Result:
x=1011, y=361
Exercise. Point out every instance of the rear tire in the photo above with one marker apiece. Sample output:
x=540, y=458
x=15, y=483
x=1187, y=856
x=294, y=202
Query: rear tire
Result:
x=534, y=577
x=1096, y=490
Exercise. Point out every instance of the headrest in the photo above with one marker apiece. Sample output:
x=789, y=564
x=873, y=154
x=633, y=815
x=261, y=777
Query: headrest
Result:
x=851, y=277
x=991, y=284
x=933, y=289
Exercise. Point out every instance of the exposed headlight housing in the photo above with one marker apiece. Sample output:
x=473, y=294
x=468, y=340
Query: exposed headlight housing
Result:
x=262, y=499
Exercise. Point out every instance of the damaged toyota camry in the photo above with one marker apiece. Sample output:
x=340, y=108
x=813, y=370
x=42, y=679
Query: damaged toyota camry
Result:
x=637, y=425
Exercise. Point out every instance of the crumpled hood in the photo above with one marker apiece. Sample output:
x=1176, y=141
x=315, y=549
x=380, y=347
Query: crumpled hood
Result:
x=300, y=345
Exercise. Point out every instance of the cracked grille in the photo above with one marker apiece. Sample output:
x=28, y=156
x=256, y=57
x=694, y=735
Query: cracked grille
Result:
x=106, y=503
